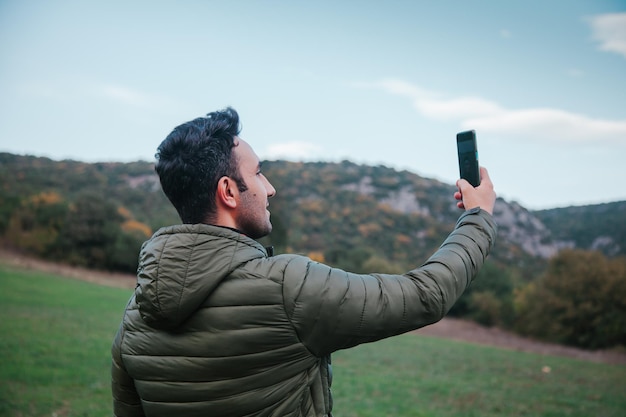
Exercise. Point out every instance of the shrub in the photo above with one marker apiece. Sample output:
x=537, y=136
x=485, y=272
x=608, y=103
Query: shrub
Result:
x=35, y=224
x=489, y=300
x=579, y=301
x=486, y=308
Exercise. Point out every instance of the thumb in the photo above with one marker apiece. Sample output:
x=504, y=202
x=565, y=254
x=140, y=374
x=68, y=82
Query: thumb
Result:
x=462, y=184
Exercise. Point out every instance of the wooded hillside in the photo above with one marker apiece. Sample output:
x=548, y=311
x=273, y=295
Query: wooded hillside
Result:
x=356, y=217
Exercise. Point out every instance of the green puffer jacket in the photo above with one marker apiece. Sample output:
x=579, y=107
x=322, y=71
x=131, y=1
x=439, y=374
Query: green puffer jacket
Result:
x=216, y=327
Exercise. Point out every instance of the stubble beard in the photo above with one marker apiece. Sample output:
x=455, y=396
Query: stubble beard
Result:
x=253, y=221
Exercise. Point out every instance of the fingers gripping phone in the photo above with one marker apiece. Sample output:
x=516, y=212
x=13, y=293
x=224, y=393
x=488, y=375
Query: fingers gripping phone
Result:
x=468, y=157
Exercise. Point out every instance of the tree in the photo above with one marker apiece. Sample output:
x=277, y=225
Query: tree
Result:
x=580, y=301
x=35, y=225
x=91, y=231
x=489, y=299
x=124, y=254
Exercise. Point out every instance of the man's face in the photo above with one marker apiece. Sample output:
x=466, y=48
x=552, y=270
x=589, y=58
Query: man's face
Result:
x=253, y=216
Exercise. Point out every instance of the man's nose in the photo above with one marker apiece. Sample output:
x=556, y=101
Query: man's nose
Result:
x=271, y=191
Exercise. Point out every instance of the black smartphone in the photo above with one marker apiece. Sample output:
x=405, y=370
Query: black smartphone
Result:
x=468, y=157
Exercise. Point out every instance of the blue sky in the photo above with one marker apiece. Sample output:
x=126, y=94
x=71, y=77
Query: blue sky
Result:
x=542, y=82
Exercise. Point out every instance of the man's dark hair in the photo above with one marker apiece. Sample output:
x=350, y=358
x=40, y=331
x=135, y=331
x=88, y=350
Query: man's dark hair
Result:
x=192, y=159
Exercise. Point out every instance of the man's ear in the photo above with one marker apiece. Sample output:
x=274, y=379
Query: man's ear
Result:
x=227, y=192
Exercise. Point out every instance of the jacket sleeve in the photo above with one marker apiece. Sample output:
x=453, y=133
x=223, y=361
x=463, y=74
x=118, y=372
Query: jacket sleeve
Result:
x=332, y=309
x=126, y=401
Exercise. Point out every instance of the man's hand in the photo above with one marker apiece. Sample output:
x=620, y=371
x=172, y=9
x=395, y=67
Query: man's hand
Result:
x=482, y=196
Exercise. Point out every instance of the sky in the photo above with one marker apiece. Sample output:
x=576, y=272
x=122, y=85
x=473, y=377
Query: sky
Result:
x=543, y=84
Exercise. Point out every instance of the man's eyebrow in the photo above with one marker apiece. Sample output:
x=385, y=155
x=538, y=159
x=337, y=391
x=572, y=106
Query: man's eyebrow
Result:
x=258, y=167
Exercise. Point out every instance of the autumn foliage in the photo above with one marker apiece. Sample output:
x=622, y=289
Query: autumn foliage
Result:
x=88, y=231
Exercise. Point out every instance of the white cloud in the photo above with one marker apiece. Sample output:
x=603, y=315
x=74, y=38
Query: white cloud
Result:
x=48, y=91
x=435, y=106
x=124, y=95
x=455, y=108
x=295, y=150
x=130, y=97
x=489, y=116
x=575, y=73
x=610, y=31
x=64, y=91
x=552, y=124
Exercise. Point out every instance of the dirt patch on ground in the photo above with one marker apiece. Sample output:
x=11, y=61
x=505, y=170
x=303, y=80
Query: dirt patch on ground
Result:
x=110, y=279
x=449, y=328
x=472, y=332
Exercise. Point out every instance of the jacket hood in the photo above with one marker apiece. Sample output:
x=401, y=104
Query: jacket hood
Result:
x=180, y=266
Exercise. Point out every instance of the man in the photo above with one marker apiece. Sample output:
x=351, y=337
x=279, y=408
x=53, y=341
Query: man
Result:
x=217, y=327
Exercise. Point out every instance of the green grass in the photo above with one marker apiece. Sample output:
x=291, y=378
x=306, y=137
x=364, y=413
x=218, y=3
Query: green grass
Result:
x=55, y=336
x=55, y=339
x=419, y=376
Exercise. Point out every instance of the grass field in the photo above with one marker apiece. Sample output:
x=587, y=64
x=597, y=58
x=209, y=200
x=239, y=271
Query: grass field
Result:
x=55, y=336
